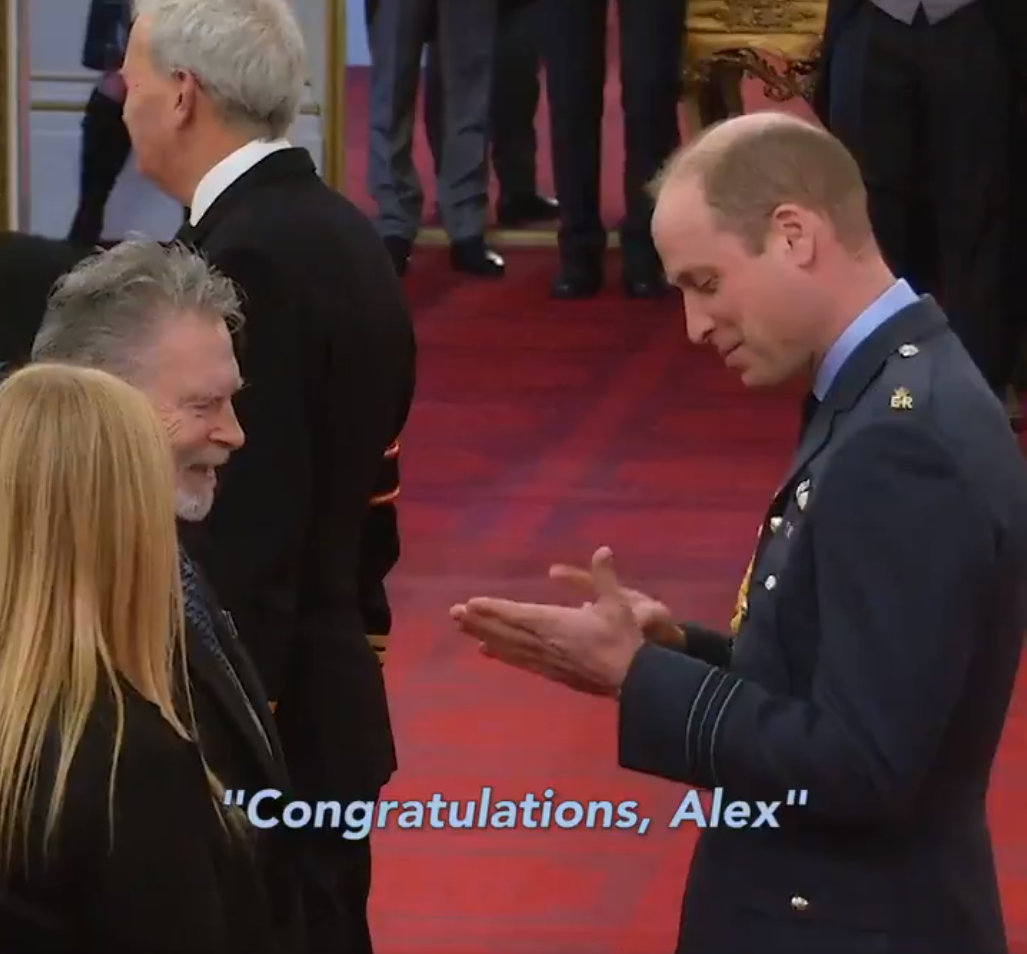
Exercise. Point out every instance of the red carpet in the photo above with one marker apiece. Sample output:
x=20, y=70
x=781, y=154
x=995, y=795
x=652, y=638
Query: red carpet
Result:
x=542, y=430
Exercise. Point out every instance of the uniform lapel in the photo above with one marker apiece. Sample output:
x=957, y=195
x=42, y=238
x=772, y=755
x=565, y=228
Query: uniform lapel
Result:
x=253, y=720
x=209, y=675
x=913, y=323
x=251, y=683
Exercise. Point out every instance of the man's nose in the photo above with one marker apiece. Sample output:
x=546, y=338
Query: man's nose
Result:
x=229, y=432
x=698, y=322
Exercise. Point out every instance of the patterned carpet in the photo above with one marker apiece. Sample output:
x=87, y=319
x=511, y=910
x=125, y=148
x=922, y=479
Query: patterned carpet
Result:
x=542, y=430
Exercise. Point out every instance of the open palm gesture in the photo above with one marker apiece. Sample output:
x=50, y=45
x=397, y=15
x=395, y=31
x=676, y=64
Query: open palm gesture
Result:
x=651, y=616
x=588, y=648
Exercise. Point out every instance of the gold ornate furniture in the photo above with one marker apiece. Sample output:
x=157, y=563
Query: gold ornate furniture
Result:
x=776, y=41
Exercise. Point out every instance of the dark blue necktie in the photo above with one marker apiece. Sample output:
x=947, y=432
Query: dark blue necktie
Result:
x=199, y=615
x=810, y=406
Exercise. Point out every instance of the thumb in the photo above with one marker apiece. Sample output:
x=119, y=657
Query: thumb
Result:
x=604, y=574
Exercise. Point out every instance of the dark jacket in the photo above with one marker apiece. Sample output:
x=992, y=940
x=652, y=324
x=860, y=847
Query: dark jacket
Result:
x=29, y=267
x=879, y=638
x=106, y=34
x=167, y=879
x=328, y=353
x=1010, y=20
x=240, y=743
x=1009, y=16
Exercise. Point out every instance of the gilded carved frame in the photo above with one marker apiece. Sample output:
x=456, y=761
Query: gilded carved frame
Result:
x=8, y=113
x=333, y=128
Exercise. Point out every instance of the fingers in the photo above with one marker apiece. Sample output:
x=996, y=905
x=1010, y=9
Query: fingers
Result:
x=537, y=617
x=499, y=635
x=604, y=574
x=576, y=576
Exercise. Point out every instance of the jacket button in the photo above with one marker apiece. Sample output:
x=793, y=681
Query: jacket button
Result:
x=770, y=582
x=799, y=903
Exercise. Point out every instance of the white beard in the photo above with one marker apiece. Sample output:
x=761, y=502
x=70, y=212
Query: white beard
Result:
x=192, y=508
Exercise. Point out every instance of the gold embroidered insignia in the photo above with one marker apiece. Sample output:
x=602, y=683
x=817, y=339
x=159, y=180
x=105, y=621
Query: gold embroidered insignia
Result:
x=742, y=600
x=901, y=400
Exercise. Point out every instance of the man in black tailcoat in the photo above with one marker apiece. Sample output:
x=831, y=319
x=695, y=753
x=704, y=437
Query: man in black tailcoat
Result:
x=327, y=353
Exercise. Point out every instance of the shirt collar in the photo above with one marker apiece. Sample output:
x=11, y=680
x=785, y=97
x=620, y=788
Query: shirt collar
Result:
x=899, y=296
x=232, y=167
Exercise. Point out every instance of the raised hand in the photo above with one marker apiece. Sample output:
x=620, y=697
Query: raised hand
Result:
x=651, y=616
x=589, y=649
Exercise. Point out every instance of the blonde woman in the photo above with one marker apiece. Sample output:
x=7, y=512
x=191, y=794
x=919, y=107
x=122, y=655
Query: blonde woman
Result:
x=111, y=834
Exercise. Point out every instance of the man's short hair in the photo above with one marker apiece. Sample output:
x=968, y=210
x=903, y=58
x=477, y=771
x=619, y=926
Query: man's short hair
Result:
x=750, y=166
x=105, y=312
x=249, y=56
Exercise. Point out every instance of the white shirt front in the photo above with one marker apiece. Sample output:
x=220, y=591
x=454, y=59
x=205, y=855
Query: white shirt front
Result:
x=232, y=167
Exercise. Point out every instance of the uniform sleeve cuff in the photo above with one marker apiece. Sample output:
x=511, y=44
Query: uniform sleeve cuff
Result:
x=670, y=708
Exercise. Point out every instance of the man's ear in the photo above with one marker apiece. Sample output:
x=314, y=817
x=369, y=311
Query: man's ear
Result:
x=791, y=234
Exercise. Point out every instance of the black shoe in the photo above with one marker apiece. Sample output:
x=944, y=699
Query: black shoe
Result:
x=515, y=211
x=476, y=258
x=644, y=283
x=578, y=280
x=399, y=250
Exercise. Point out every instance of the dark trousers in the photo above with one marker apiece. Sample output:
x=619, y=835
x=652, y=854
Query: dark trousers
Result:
x=926, y=111
x=574, y=49
x=336, y=906
x=516, y=89
x=105, y=150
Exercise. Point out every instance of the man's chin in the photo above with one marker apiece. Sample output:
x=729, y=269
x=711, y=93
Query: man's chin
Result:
x=192, y=508
x=763, y=377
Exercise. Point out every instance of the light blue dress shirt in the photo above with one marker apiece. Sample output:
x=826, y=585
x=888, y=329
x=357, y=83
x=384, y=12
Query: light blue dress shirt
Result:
x=899, y=296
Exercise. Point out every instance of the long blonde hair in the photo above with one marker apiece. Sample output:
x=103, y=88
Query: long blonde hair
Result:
x=89, y=577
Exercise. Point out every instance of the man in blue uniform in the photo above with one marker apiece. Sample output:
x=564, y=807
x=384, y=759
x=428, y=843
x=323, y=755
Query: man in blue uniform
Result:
x=879, y=628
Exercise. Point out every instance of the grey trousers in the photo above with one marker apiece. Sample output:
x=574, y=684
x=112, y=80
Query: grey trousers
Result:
x=465, y=33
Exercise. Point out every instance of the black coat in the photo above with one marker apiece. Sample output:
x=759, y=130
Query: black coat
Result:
x=29, y=267
x=106, y=34
x=1010, y=19
x=328, y=356
x=240, y=743
x=172, y=880
x=1009, y=16
x=879, y=640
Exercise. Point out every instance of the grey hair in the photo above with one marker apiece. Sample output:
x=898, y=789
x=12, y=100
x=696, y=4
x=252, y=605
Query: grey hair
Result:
x=249, y=56
x=105, y=312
